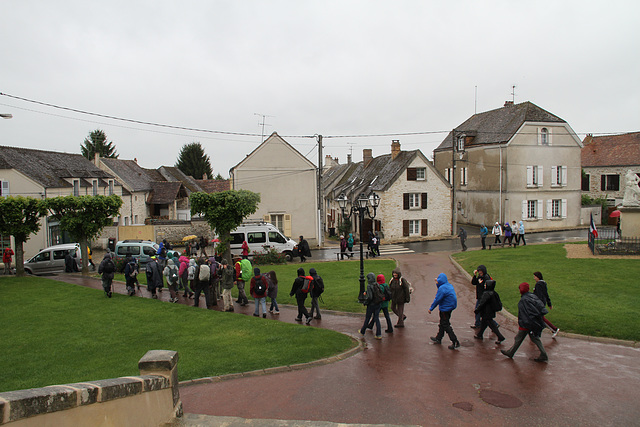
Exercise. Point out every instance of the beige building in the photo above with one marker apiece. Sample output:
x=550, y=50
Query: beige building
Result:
x=287, y=184
x=415, y=200
x=45, y=174
x=518, y=162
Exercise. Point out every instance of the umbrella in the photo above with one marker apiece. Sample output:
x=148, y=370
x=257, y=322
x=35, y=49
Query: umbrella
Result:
x=216, y=240
x=190, y=237
x=614, y=214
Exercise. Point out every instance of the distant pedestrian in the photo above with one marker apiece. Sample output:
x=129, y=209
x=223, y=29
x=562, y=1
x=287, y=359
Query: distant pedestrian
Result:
x=462, y=234
x=296, y=290
x=258, y=287
x=516, y=234
x=203, y=283
x=373, y=301
x=272, y=292
x=192, y=277
x=318, y=289
x=530, y=313
x=376, y=243
x=400, y=295
x=7, y=255
x=384, y=306
x=245, y=249
x=447, y=300
x=350, y=243
x=107, y=269
x=70, y=264
x=521, y=230
x=173, y=278
x=154, y=276
x=131, y=270
x=483, y=235
x=203, y=246
x=486, y=307
x=508, y=235
x=90, y=258
x=497, y=231
x=343, y=247
x=244, y=272
x=303, y=249
x=227, y=276
x=479, y=276
x=540, y=289
x=183, y=271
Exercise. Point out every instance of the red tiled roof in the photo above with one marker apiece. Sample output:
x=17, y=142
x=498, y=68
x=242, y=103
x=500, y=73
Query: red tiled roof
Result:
x=214, y=185
x=611, y=150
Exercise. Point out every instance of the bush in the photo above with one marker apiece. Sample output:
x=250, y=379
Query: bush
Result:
x=271, y=256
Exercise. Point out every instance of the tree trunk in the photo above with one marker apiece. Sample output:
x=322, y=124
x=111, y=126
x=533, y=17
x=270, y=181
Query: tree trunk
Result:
x=84, y=254
x=19, y=257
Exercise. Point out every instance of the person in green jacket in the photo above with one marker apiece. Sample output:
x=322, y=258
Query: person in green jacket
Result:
x=385, y=304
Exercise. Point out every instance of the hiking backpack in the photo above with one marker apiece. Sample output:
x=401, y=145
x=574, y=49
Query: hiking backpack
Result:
x=376, y=296
x=496, y=304
x=260, y=288
x=387, y=293
x=307, y=285
x=173, y=275
x=318, y=287
x=205, y=272
x=109, y=267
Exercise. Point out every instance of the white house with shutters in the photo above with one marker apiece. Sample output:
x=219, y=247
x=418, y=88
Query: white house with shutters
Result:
x=518, y=162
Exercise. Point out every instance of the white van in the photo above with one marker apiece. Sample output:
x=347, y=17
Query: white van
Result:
x=51, y=259
x=261, y=236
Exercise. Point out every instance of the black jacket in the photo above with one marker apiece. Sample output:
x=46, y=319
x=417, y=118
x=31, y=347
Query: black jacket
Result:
x=530, y=312
x=479, y=282
x=540, y=290
x=485, y=305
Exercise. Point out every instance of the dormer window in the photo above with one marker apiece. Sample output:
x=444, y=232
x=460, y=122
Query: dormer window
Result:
x=110, y=187
x=545, y=137
x=460, y=144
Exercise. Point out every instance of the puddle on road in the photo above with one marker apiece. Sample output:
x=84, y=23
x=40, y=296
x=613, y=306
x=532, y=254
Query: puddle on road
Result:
x=501, y=400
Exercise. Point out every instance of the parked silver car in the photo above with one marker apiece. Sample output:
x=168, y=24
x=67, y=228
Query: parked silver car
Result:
x=51, y=259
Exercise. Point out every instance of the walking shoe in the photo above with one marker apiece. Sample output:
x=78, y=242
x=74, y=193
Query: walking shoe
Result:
x=378, y=337
x=360, y=333
x=436, y=340
x=454, y=345
x=399, y=326
x=404, y=317
x=154, y=296
x=277, y=312
x=555, y=333
x=264, y=315
x=541, y=359
x=474, y=327
x=298, y=319
x=389, y=331
x=191, y=294
x=318, y=317
x=256, y=315
x=478, y=337
x=309, y=320
x=499, y=341
x=270, y=311
x=506, y=354
x=109, y=294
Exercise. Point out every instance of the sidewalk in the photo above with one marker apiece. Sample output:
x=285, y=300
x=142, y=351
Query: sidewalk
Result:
x=405, y=380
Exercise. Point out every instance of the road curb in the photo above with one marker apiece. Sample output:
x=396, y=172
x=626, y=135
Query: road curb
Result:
x=601, y=340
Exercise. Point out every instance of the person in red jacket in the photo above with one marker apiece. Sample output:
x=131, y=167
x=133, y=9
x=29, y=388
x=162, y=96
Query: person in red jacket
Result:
x=245, y=250
x=6, y=259
x=258, y=289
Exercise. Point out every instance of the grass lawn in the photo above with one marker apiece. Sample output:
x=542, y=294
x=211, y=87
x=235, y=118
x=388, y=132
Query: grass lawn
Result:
x=341, y=281
x=57, y=333
x=598, y=297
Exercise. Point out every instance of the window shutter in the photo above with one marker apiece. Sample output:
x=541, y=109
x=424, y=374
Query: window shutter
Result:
x=564, y=176
x=539, y=176
x=549, y=209
x=405, y=227
x=424, y=227
x=539, y=210
x=524, y=209
x=603, y=182
x=424, y=200
x=287, y=225
x=564, y=208
x=5, y=189
x=411, y=174
x=405, y=201
x=266, y=218
x=554, y=175
x=529, y=176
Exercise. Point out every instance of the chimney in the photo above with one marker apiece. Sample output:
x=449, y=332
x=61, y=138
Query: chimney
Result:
x=366, y=157
x=96, y=159
x=395, y=148
x=508, y=103
x=204, y=176
x=348, y=159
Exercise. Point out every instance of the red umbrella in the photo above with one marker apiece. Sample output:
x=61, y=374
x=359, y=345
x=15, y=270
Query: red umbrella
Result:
x=614, y=214
x=216, y=240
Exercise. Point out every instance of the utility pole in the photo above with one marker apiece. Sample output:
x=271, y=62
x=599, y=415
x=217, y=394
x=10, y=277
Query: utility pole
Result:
x=320, y=194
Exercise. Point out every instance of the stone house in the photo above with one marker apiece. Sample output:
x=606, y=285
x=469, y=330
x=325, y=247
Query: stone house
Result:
x=287, y=184
x=605, y=162
x=518, y=162
x=415, y=200
x=45, y=174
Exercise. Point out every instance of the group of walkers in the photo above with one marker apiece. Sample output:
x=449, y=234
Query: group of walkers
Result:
x=513, y=235
x=373, y=245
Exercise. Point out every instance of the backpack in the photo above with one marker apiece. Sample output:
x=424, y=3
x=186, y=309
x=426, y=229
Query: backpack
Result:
x=173, y=275
x=387, y=293
x=191, y=273
x=496, y=304
x=318, y=287
x=377, y=296
x=149, y=274
x=132, y=270
x=260, y=288
x=204, y=274
x=307, y=285
x=109, y=267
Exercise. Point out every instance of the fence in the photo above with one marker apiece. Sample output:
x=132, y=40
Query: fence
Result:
x=609, y=242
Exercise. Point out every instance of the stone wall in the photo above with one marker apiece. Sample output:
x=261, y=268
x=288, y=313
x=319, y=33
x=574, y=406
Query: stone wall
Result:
x=150, y=399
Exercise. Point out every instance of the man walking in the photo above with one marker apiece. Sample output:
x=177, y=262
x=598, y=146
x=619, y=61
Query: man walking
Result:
x=107, y=269
x=447, y=300
x=318, y=289
x=7, y=255
x=243, y=275
x=258, y=288
x=483, y=235
x=463, y=236
x=530, y=313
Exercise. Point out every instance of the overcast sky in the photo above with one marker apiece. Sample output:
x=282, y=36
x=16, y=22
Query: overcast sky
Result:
x=336, y=68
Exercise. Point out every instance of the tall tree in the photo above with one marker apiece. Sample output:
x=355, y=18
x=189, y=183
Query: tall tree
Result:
x=96, y=142
x=224, y=211
x=84, y=217
x=20, y=218
x=193, y=161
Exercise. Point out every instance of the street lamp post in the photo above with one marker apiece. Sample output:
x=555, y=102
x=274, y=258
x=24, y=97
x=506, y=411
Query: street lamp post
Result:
x=361, y=207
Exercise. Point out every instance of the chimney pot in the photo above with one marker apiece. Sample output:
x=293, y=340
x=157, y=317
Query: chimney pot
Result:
x=395, y=148
x=508, y=103
x=367, y=156
x=348, y=159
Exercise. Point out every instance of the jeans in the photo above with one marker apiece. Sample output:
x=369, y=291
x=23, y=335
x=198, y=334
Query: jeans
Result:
x=242, y=295
x=445, y=326
x=315, y=307
x=274, y=304
x=385, y=311
x=518, y=340
x=372, y=311
x=260, y=302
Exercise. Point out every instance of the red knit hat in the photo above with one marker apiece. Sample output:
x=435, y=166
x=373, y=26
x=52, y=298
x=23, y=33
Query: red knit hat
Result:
x=524, y=288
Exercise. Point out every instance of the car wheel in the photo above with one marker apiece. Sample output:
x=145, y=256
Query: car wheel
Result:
x=288, y=256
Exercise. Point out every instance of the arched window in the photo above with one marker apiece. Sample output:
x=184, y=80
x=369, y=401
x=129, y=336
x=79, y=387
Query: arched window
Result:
x=544, y=136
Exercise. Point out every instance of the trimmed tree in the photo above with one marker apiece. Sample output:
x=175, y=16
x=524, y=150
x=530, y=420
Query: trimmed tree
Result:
x=193, y=161
x=224, y=211
x=84, y=217
x=96, y=142
x=20, y=218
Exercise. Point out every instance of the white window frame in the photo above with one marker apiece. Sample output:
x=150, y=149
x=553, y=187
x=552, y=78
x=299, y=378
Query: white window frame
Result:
x=534, y=176
x=558, y=176
x=414, y=227
x=460, y=143
x=463, y=176
x=4, y=189
x=421, y=174
x=76, y=187
x=447, y=175
x=414, y=200
x=111, y=187
x=544, y=136
x=556, y=208
x=532, y=209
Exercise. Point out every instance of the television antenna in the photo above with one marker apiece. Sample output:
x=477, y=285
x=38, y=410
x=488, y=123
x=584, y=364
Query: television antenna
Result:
x=262, y=123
